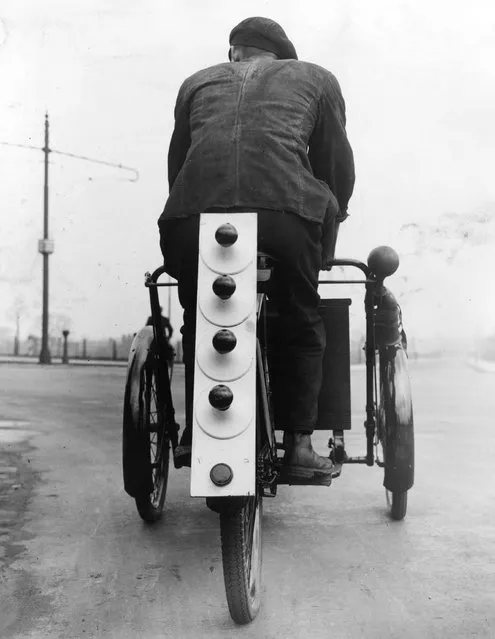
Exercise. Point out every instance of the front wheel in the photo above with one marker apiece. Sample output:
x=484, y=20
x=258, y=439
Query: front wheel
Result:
x=242, y=557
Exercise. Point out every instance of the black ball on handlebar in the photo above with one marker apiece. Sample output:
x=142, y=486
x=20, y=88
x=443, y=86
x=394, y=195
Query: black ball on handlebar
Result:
x=224, y=286
x=383, y=261
x=226, y=235
x=220, y=397
x=224, y=341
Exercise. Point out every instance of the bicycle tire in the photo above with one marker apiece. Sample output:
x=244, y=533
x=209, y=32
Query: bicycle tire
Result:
x=241, y=538
x=157, y=445
x=146, y=442
x=397, y=503
x=396, y=429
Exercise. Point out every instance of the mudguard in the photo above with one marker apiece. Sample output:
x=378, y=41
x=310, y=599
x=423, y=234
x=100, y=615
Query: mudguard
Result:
x=135, y=445
x=395, y=418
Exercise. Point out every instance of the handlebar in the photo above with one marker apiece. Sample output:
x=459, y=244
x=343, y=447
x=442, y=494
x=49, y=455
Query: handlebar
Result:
x=348, y=262
x=151, y=279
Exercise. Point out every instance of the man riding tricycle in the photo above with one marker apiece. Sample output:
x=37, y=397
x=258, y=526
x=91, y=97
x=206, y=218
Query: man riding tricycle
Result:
x=260, y=175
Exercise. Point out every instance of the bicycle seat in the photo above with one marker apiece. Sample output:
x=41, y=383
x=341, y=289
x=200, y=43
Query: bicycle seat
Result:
x=265, y=262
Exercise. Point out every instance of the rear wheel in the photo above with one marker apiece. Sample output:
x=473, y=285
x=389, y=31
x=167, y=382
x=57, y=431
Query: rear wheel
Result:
x=395, y=428
x=157, y=444
x=146, y=442
x=169, y=354
x=241, y=553
x=170, y=365
x=396, y=503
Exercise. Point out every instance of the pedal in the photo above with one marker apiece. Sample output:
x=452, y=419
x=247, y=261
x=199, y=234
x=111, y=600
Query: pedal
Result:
x=291, y=477
x=182, y=457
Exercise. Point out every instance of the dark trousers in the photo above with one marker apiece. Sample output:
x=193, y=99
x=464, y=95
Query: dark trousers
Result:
x=296, y=245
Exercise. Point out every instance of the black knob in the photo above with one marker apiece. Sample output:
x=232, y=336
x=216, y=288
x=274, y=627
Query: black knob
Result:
x=224, y=286
x=220, y=397
x=224, y=341
x=221, y=474
x=383, y=261
x=226, y=235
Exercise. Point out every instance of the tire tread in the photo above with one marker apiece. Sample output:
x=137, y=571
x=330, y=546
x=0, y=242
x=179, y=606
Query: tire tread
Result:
x=242, y=607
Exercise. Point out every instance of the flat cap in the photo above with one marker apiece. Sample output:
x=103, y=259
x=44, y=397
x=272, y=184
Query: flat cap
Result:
x=265, y=34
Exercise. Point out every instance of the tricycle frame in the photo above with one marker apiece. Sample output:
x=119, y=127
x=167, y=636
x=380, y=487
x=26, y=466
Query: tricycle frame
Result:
x=386, y=423
x=372, y=284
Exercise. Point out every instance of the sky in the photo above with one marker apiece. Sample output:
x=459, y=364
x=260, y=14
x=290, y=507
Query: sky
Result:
x=419, y=83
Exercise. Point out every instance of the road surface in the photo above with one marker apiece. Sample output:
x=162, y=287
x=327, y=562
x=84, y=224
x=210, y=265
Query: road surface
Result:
x=78, y=562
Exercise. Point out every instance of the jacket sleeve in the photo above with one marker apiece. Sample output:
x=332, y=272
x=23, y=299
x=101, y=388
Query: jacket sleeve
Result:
x=181, y=137
x=330, y=153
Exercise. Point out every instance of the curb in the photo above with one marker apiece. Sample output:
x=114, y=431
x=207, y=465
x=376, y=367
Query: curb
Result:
x=57, y=361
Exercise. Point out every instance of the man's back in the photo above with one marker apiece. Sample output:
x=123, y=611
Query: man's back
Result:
x=242, y=135
x=267, y=133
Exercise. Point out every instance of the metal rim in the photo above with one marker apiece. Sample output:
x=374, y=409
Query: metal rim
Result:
x=253, y=556
x=157, y=439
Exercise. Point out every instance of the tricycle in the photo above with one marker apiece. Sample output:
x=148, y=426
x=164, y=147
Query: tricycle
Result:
x=237, y=448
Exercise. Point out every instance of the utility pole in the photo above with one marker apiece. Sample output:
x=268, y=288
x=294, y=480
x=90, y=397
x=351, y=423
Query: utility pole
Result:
x=45, y=245
x=46, y=248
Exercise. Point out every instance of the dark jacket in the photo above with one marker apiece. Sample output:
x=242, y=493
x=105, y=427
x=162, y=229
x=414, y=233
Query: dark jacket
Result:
x=264, y=134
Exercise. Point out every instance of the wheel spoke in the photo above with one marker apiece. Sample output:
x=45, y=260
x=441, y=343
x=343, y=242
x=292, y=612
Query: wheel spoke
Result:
x=241, y=554
x=157, y=444
x=251, y=558
x=254, y=553
x=152, y=458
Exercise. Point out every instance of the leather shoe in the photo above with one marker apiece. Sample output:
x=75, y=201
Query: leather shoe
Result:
x=301, y=459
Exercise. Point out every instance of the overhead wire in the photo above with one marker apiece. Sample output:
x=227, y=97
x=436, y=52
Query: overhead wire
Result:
x=86, y=158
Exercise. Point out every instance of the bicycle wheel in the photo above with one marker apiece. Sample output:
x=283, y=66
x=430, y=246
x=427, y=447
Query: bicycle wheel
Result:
x=241, y=536
x=170, y=364
x=395, y=428
x=146, y=444
x=396, y=503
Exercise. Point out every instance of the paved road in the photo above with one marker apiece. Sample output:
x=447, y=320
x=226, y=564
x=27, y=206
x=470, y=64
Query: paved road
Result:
x=78, y=561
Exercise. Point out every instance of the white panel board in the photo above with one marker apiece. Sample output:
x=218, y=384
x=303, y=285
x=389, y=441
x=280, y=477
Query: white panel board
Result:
x=229, y=436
